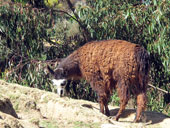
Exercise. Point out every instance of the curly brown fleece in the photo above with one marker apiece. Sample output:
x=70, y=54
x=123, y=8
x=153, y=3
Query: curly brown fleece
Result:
x=108, y=65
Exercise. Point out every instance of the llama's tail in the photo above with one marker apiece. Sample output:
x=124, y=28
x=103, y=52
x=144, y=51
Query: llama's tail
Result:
x=143, y=60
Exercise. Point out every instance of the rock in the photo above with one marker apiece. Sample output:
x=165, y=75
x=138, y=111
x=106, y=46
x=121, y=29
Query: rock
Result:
x=6, y=107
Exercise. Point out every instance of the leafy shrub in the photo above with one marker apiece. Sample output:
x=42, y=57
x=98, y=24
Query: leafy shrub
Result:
x=23, y=30
x=82, y=90
x=67, y=36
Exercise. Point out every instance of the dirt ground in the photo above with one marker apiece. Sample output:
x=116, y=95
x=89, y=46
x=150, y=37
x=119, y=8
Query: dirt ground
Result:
x=24, y=107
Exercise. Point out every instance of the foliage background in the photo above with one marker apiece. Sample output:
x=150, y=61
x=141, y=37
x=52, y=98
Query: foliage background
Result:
x=34, y=33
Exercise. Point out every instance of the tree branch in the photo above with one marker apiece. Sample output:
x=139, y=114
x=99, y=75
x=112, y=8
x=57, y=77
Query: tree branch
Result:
x=86, y=32
x=158, y=88
x=61, y=11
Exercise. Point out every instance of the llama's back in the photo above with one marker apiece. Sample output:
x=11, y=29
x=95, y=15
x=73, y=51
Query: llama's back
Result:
x=112, y=57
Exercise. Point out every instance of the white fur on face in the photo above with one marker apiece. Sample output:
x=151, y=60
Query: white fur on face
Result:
x=60, y=87
x=58, y=82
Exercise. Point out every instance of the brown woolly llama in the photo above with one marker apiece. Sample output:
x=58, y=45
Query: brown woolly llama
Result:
x=108, y=65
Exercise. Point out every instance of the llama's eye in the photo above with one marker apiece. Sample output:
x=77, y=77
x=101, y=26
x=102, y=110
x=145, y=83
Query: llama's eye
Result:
x=59, y=73
x=64, y=73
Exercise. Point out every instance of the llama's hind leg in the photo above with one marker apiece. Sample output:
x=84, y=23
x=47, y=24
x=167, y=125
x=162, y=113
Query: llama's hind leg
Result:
x=141, y=104
x=124, y=97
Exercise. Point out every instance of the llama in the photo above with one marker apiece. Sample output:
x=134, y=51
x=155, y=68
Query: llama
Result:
x=108, y=65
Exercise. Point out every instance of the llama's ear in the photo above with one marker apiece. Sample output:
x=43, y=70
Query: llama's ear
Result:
x=58, y=60
x=50, y=70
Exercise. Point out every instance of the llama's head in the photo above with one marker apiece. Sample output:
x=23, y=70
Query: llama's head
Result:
x=59, y=79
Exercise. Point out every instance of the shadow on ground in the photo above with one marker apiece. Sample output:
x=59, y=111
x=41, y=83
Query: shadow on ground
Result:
x=153, y=117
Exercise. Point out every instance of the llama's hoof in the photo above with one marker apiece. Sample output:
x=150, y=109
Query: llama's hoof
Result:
x=135, y=121
x=115, y=118
x=107, y=114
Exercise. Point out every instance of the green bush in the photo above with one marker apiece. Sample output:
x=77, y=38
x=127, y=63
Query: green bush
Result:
x=82, y=90
x=23, y=31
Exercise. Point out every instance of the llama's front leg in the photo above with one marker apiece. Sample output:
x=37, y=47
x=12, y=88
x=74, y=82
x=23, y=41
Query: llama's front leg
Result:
x=103, y=96
x=104, y=105
x=101, y=107
x=107, y=112
x=101, y=103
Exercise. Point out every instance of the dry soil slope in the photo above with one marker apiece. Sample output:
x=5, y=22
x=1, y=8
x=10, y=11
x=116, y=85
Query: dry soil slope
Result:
x=24, y=107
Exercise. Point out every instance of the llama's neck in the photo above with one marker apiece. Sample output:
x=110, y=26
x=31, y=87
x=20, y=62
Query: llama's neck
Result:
x=71, y=66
